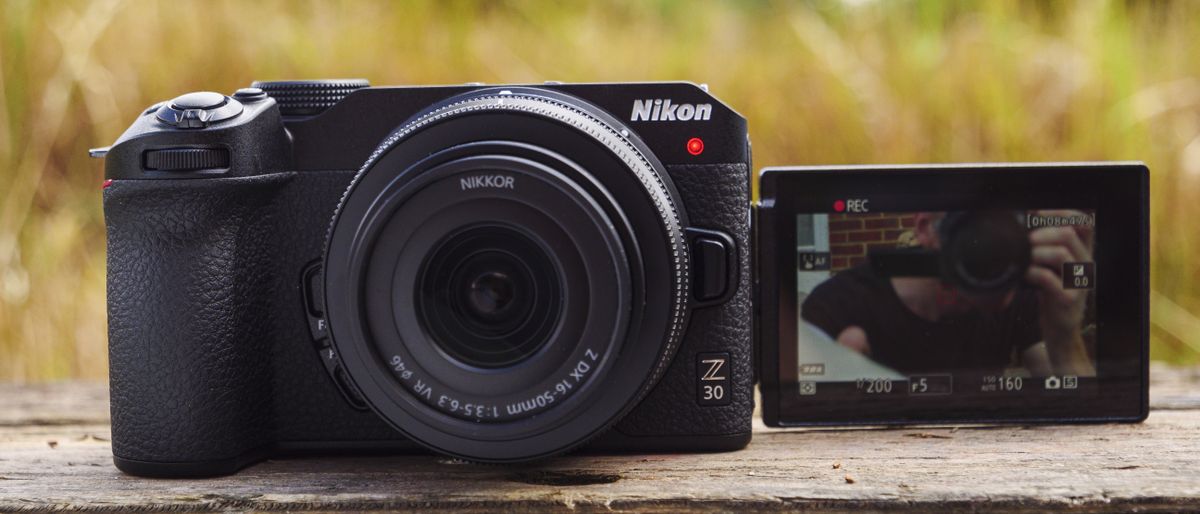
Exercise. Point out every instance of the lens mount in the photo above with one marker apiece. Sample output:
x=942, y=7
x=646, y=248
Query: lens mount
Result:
x=507, y=276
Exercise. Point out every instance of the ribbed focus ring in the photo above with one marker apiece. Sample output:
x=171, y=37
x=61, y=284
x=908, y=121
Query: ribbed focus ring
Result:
x=309, y=97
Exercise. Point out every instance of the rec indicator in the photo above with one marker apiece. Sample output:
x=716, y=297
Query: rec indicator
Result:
x=855, y=205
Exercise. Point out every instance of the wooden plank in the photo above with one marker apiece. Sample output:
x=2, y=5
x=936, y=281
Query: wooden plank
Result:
x=54, y=454
x=53, y=404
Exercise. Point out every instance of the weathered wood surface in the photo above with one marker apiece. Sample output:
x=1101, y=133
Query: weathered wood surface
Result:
x=54, y=454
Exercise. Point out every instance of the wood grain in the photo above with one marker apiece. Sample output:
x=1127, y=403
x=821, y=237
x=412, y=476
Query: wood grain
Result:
x=54, y=454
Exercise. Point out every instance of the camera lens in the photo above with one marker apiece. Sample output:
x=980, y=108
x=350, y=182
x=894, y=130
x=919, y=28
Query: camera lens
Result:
x=491, y=294
x=985, y=251
x=480, y=299
x=507, y=275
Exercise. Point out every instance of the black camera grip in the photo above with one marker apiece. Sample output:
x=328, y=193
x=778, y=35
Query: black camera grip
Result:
x=190, y=292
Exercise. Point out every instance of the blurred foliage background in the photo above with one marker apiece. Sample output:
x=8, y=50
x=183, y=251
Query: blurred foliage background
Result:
x=820, y=81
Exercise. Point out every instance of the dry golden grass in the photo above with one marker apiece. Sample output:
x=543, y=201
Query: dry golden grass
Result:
x=821, y=82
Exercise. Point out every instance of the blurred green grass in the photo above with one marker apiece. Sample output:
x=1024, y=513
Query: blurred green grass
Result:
x=821, y=82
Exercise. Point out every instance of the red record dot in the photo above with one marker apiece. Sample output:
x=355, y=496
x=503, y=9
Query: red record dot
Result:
x=839, y=205
x=695, y=146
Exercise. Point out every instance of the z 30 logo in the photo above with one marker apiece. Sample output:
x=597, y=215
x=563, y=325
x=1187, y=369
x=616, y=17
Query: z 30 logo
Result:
x=713, y=382
x=714, y=369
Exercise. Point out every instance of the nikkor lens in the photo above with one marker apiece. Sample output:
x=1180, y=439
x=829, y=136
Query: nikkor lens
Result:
x=507, y=275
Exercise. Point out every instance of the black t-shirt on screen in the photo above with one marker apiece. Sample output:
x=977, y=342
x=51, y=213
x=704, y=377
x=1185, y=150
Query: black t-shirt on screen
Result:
x=974, y=341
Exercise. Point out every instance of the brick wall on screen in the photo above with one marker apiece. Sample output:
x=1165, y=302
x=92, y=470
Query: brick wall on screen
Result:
x=851, y=236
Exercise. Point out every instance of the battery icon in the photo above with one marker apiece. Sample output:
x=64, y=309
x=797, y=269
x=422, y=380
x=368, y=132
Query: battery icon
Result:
x=930, y=385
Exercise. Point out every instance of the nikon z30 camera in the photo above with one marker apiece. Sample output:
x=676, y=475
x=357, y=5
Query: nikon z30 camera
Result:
x=495, y=273
x=505, y=273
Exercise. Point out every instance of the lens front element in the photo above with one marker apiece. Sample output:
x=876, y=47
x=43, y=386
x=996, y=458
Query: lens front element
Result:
x=481, y=300
x=495, y=295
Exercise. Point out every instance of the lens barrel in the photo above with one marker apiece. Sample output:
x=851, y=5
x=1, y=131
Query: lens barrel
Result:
x=507, y=275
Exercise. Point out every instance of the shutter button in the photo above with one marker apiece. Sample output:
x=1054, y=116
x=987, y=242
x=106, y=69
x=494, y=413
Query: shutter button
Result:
x=201, y=100
x=198, y=110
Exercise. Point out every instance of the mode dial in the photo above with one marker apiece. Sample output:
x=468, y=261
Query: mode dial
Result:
x=198, y=110
x=309, y=97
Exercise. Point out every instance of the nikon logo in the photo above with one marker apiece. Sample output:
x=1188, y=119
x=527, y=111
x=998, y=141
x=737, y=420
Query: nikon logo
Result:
x=662, y=109
x=494, y=181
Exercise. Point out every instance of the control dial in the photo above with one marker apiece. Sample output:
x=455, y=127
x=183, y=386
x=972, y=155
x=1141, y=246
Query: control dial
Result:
x=309, y=97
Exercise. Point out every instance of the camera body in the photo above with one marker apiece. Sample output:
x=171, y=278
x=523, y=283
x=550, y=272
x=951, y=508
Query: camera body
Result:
x=226, y=345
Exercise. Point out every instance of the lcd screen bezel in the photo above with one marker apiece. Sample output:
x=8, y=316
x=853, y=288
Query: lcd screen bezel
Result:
x=1118, y=192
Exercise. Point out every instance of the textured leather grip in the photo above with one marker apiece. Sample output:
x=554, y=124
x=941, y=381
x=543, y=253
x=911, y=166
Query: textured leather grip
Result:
x=717, y=197
x=189, y=294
